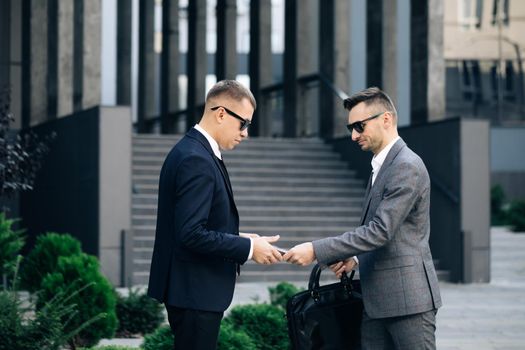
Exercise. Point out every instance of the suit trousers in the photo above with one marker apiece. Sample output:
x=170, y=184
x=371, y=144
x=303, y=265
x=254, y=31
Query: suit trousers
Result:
x=194, y=329
x=415, y=331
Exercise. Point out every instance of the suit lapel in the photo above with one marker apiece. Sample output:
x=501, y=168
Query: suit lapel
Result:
x=388, y=160
x=379, y=178
x=224, y=173
x=204, y=142
x=367, y=198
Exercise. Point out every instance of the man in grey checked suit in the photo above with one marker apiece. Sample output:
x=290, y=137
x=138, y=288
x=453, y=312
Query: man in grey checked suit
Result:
x=400, y=287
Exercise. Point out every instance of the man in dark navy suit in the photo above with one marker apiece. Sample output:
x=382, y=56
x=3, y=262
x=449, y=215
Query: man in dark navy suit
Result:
x=198, y=247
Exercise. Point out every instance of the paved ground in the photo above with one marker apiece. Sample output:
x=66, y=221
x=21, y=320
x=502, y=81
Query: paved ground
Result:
x=474, y=316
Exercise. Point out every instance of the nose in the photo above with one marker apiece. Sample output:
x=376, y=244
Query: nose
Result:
x=244, y=133
x=355, y=135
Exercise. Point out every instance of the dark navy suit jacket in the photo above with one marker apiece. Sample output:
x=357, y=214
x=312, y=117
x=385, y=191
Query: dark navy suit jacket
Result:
x=197, y=248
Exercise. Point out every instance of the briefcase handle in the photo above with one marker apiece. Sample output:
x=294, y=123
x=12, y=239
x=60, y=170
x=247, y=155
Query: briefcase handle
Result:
x=313, y=284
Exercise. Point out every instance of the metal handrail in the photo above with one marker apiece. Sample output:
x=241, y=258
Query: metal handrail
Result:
x=305, y=79
x=327, y=82
x=171, y=115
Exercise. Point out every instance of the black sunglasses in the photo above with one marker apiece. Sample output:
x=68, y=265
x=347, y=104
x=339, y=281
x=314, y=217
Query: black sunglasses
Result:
x=245, y=123
x=360, y=125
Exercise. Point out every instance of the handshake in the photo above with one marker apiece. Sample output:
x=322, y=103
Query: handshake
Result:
x=264, y=252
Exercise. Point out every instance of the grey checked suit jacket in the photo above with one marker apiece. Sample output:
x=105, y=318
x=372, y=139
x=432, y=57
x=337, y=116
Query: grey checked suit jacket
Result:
x=395, y=264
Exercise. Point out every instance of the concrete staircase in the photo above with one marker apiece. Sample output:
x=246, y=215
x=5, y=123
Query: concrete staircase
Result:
x=298, y=188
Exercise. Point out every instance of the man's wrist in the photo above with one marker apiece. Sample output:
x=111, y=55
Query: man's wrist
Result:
x=250, y=254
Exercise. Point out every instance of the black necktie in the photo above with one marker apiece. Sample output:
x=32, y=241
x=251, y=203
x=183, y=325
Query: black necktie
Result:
x=223, y=166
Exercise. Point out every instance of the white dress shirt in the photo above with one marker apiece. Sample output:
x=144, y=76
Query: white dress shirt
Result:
x=216, y=150
x=379, y=159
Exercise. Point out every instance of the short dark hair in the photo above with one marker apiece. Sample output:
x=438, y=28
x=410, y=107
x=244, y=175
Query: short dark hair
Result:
x=232, y=89
x=371, y=96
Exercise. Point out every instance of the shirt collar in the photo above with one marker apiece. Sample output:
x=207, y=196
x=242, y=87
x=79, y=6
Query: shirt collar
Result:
x=379, y=159
x=214, y=145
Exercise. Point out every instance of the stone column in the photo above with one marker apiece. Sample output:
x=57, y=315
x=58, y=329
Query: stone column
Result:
x=78, y=55
x=196, y=63
x=436, y=61
x=65, y=58
x=226, y=55
x=5, y=37
x=38, y=62
x=427, y=62
x=260, y=63
x=308, y=18
x=52, y=59
x=92, y=46
x=327, y=43
x=342, y=68
x=15, y=68
x=146, y=87
x=290, y=69
x=389, y=48
x=169, y=91
x=124, y=12
x=374, y=42
x=114, y=185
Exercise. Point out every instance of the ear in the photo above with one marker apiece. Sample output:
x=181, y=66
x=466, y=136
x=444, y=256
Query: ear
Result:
x=219, y=116
x=388, y=120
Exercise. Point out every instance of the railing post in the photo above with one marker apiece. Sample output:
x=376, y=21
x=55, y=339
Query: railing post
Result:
x=126, y=244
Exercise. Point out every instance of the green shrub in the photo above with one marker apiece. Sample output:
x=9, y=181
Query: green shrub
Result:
x=280, y=294
x=234, y=339
x=161, y=339
x=138, y=314
x=112, y=347
x=10, y=244
x=264, y=324
x=516, y=216
x=497, y=201
x=96, y=296
x=10, y=321
x=44, y=257
x=23, y=328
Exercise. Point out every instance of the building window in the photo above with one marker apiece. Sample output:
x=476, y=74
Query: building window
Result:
x=500, y=8
x=470, y=13
x=471, y=81
x=508, y=82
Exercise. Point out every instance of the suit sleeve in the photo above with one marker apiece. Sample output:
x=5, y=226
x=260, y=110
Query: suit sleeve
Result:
x=399, y=197
x=195, y=190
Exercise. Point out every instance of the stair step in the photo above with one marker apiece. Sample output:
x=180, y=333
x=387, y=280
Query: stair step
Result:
x=160, y=153
x=232, y=165
x=271, y=191
x=274, y=222
x=314, y=172
x=151, y=209
x=274, y=180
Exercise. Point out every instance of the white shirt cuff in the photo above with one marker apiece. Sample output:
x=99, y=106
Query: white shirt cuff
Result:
x=355, y=259
x=251, y=249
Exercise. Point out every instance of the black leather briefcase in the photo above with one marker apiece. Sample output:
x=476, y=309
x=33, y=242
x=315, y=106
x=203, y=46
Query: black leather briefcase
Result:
x=326, y=317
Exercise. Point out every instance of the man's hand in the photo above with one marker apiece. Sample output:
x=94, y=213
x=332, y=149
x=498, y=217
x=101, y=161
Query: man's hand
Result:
x=248, y=235
x=343, y=266
x=263, y=252
x=302, y=254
